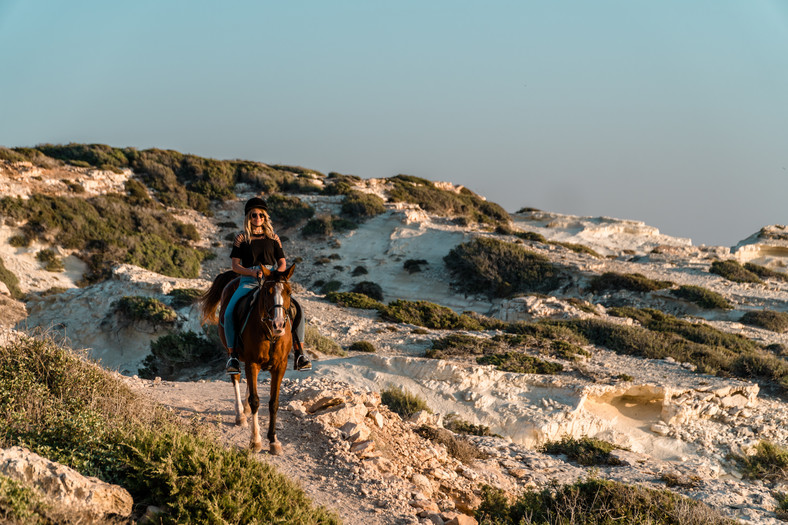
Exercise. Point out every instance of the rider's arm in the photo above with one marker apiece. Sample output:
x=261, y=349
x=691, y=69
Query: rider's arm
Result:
x=282, y=265
x=237, y=268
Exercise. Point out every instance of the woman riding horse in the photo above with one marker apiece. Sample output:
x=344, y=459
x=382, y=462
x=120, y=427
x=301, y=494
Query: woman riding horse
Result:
x=259, y=246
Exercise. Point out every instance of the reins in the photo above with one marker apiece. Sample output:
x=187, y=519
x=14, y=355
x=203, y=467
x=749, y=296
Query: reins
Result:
x=272, y=339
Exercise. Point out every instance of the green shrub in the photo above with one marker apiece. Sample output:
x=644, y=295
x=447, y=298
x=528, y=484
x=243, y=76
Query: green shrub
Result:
x=733, y=271
x=702, y=297
x=19, y=241
x=11, y=281
x=370, y=289
x=596, y=502
x=362, y=346
x=520, y=363
x=403, y=403
x=137, y=193
x=136, y=308
x=585, y=450
x=498, y=268
x=21, y=504
x=577, y=248
x=568, y=351
x=70, y=411
x=458, y=447
x=430, y=315
x=330, y=286
x=465, y=204
x=358, y=205
x=770, y=462
x=414, y=265
x=52, y=263
x=673, y=479
x=354, y=300
x=767, y=319
x=171, y=354
x=288, y=209
x=314, y=340
x=326, y=225
x=182, y=297
x=461, y=345
x=359, y=270
x=764, y=272
x=531, y=236
x=458, y=425
x=634, y=282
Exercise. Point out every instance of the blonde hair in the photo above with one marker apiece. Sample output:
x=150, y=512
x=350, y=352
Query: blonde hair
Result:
x=268, y=228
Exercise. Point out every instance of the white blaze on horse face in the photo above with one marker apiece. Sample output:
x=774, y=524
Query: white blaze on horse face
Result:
x=278, y=321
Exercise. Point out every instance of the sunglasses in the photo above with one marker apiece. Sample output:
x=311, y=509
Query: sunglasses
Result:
x=257, y=216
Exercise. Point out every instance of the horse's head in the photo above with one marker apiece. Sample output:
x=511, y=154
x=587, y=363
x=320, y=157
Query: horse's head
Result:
x=275, y=299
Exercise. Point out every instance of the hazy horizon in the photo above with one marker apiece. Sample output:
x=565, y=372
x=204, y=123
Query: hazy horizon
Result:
x=669, y=113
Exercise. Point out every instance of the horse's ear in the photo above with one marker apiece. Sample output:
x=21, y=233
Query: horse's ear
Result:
x=289, y=272
x=266, y=272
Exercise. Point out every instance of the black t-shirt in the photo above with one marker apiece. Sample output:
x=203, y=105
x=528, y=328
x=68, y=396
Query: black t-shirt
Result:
x=261, y=251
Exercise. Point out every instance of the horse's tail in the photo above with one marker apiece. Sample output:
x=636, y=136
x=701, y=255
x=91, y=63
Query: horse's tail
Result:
x=210, y=299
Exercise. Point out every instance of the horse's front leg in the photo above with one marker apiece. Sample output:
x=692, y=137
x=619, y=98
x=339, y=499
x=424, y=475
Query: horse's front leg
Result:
x=252, y=369
x=240, y=413
x=277, y=373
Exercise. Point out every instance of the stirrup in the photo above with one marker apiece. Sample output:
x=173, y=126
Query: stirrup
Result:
x=233, y=366
x=301, y=362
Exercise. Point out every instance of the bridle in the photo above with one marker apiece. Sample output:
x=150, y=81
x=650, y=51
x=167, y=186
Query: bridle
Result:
x=267, y=320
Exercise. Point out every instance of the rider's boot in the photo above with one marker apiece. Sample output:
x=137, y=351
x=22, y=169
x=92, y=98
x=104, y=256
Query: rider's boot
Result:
x=300, y=360
x=233, y=365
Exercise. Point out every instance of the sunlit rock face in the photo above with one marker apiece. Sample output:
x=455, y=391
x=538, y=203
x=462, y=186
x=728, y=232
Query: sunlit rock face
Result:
x=767, y=247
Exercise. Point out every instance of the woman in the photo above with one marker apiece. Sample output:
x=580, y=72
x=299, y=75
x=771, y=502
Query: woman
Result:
x=259, y=246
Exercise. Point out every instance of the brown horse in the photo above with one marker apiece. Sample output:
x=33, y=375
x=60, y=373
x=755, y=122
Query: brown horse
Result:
x=266, y=342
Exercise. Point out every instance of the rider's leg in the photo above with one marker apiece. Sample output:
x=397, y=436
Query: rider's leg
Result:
x=246, y=284
x=300, y=359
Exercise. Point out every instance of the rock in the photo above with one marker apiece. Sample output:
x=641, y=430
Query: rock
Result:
x=422, y=417
x=518, y=473
x=431, y=517
x=64, y=484
x=462, y=519
x=377, y=417
x=355, y=431
x=422, y=483
x=362, y=447
x=736, y=400
x=464, y=499
x=660, y=429
x=325, y=402
x=343, y=413
x=425, y=504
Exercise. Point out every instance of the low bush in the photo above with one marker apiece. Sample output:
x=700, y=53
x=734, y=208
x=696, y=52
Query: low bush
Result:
x=330, y=286
x=148, y=309
x=286, y=209
x=782, y=505
x=520, y=363
x=172, y=354
x=370, y=289
x=463, y=204
x=427, y=314
x=770, y=462
x=11, y=281
x=181, y=297
x=703, y=297
x=354, y=300
x=458, y=425
x=403, y=403
x=585, y=450
x=764, y=272
x=359, y=205
x=19, y=241
x=52, y=263
x=634, y=282
x=326, y=226
x=359, y=270
x=458, y=447
x=501, y=269
x=568, y=351
x=314, y=340
x=71, y=411
x=414, y=265
x=595, y=502
x=767, y=319
x=673, y=479
x=362, y=346
x=733, y=271
x=577, y=248
x=531, y=236
x=461, y=345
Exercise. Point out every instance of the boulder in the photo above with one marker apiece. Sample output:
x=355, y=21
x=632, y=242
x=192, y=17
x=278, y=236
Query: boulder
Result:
x=343, y=413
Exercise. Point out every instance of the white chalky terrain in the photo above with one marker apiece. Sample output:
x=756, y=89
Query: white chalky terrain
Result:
x=365, y=462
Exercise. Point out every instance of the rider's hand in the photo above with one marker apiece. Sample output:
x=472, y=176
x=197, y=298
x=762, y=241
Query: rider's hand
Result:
x=258, y=274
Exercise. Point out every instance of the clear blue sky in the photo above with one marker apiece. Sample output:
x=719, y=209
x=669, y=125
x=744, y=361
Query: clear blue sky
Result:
x=672, y=112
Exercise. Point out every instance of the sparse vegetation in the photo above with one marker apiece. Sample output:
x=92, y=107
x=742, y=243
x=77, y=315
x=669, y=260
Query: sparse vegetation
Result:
x=585, y=450
x=314, y=340
x=703, y=297
x=458, y=425
x=596, y=502
x=765, y=273
x=19, y=241
x=330, y=286
x=171, y=354
x=461, y=345
x=11, y=281
x=52, y=263
x=577, y=248
x=359, y=270
x=402, y=402
x=287, y=209
x=414, y=265
x=370, y=289
x=673, y=479
x=733, y=271
x=144, y=309
x=75, y=413
x=359, y=205
x=182, y=297
x=634, y=282
x=326, y=226
x=767, y=319
x=457, y=446
x=354, y=300
x=362, y=346
x=520, y=363
x=430, y=315
x=498, y=268
x=531, y=236
x=770, y=462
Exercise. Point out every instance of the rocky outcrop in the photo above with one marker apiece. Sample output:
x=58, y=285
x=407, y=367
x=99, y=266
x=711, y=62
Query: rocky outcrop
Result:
x=65, y=485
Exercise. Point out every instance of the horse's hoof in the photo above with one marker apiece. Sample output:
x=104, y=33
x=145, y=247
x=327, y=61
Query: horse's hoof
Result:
x=276, y=449
x=256, y=447
x=240, y=421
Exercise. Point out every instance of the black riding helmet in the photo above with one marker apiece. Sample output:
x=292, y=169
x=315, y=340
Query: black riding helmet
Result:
x=255, y=202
